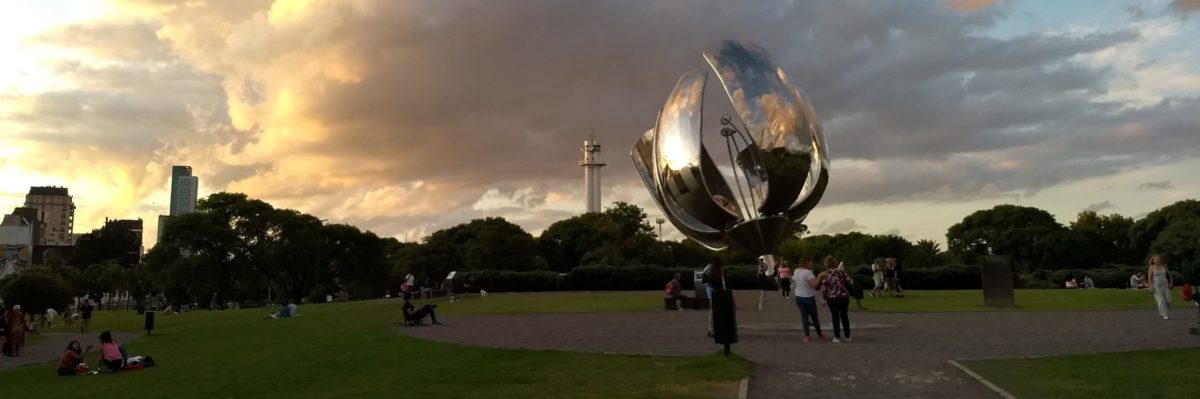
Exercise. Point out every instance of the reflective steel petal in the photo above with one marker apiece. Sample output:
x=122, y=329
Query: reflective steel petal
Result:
x=778, y=119
x=643, y=159
x=683, y=169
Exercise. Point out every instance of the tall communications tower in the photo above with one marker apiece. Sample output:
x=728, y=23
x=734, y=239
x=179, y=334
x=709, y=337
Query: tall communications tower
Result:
x=591, y=173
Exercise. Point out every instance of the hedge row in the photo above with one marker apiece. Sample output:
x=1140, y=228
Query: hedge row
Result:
x=743, y=277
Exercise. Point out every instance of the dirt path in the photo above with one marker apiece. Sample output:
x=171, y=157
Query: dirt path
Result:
x=903, y=355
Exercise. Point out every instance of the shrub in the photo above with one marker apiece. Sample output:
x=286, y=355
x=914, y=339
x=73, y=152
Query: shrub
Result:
x=35, y=290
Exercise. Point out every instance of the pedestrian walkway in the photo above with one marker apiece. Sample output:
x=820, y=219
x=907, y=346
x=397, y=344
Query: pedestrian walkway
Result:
x=51, y=349
x=901, y=355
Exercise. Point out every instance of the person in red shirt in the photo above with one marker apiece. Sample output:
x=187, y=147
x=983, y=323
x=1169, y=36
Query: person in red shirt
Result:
x=72, y=358
x=674, y=290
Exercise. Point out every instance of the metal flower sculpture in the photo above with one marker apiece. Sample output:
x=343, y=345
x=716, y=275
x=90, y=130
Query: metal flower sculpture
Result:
x=777, y=155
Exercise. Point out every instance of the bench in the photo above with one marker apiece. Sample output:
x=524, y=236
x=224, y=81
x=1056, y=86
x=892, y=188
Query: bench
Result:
x=686, y=303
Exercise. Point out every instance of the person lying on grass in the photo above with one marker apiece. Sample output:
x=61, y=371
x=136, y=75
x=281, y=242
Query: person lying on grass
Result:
x=72, y=359
x=413, y=315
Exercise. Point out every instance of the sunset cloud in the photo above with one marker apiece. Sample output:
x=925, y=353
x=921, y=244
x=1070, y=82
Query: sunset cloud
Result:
x=409, y=116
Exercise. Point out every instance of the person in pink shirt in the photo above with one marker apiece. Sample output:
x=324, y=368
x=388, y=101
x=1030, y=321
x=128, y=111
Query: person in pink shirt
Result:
x=785, y=277
x=110, y=353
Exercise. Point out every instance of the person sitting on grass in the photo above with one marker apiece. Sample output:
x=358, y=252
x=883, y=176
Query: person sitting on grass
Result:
x=1088, y=283
x=1138, y=281
x=112, y=358
x=72, y=359
x=674, y=290
x=413, y=315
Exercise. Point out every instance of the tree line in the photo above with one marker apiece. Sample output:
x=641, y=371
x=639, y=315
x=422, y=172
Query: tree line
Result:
x=244, y=249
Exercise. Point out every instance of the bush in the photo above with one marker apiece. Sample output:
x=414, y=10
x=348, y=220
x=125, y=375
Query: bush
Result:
x=623, y=278
x=35, y=290
x=509, y=281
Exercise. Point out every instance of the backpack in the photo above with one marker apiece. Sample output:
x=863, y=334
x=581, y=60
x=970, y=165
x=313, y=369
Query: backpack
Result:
x=1187, y=292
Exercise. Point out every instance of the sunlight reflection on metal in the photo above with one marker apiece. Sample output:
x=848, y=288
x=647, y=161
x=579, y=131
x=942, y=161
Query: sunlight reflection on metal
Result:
x=775, y=146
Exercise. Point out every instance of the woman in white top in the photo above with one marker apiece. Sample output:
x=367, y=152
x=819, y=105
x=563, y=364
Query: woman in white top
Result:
x=877, y=276
x=1160, y=283
x=806, y=298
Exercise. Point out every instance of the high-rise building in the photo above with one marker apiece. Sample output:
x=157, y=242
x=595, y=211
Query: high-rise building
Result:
x=58, y=213
x=183, y=190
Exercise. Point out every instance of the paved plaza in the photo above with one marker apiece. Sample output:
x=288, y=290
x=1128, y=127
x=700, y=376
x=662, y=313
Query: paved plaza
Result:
x=896, y=355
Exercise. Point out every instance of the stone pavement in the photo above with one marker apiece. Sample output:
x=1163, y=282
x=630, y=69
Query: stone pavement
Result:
x=51, y=349
x=900, y=355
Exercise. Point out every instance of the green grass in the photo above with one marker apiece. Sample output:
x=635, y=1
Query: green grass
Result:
x=602, y=302
x=972, y=300
x=1144, y=374
x=349, y=350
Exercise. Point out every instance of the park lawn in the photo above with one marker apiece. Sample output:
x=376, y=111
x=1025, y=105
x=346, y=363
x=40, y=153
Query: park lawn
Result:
x=555, y=302
x=1142, y=374
x=350, y=350
x=1036, y=300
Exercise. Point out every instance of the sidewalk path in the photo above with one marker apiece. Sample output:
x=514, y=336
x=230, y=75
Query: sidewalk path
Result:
x=907, y=361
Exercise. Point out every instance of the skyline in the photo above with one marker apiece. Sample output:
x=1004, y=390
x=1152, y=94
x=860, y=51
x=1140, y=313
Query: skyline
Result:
x=407, y=118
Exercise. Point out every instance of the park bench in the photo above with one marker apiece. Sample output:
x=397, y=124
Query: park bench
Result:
x=686, y=303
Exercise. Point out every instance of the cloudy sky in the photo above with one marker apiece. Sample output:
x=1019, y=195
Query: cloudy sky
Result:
x=404, y=117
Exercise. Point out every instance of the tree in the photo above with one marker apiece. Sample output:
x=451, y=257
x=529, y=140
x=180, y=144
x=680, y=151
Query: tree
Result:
x=1179, y=242
x=115, y=241
x=489, y=243
x=1068, y=249
x=107, y=277
x=925, y=253
x=35, y=289
x=1145, y=232
x=1003, y=230
x=1107, y=234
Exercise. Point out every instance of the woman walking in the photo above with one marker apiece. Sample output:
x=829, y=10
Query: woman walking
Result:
x=806, y=298
x=1160, y=283
x=785, y=278
x=835, y=287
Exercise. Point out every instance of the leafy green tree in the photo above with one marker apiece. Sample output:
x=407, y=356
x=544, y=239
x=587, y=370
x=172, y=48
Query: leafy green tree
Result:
x=923, y=254
x=1179, y=242
x=1010, y=230
x=1108, y=235
x=1145, y=232
x=1068, y=249
x=107, y=277
x=36, y=289
x=115, y=241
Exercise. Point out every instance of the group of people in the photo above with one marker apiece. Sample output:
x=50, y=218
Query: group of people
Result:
x=833, y=284
x=885, y=273
x=113, y=357
x=1087, y=282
